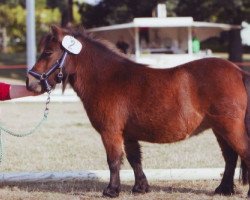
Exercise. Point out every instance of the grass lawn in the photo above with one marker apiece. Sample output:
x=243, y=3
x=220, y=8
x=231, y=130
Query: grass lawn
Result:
x=171, y=190
x=67, y=142
x=13, y=58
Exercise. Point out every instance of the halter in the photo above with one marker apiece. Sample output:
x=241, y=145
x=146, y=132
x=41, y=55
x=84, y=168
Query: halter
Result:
x=71, y=45
x=43, y=78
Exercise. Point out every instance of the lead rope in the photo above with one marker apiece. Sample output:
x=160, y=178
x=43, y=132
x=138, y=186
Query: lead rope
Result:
x=15, y=134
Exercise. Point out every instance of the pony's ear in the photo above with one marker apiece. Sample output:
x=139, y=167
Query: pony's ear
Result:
x=57, y=32
x=41, y=44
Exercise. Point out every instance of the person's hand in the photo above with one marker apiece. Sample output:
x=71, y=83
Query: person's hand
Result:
x=17, y=91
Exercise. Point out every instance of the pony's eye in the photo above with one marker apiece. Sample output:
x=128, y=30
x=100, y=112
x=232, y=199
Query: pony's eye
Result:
x=47, y=53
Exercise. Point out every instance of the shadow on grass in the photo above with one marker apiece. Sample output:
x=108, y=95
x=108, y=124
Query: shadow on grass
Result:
x=170, y=189
x=95, y=186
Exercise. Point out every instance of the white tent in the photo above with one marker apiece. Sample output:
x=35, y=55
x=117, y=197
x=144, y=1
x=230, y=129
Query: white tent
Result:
x=157, y=41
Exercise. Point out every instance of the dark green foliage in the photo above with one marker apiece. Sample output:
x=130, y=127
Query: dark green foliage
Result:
x=225, y=11
x=109, y=12
x=200, y=10
x=113, y=11
x=13, y=2
x=56, y=3
x=66, y=9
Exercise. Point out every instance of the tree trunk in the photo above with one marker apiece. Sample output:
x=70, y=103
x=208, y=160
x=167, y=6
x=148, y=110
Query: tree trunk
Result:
x=4, y=40
x=67, y=14
x=235, y=46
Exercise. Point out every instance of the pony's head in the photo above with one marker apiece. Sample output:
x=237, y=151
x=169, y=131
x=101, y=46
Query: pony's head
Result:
x=58, y=56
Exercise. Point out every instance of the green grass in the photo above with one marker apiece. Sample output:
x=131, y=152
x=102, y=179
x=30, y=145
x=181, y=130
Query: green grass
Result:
x=13, y=58
x=13, y=75
x=246, y=57
x=79, y=190
x=67, y=141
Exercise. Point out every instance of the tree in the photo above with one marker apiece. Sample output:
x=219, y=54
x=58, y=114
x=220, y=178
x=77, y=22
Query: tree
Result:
x=13, y=3
x=224, y=11
x=238, y=11
x=109, y=12
x=66, y=9
x=13, y=23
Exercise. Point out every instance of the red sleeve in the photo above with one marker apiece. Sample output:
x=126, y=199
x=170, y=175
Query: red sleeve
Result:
x=4, y=91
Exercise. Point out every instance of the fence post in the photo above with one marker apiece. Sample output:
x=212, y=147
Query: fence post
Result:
x=30, y=33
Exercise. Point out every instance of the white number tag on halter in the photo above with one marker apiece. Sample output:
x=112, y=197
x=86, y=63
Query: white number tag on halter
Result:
x=71, y=44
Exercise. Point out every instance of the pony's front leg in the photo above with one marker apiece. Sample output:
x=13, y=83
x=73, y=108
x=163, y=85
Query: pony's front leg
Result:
x=113, y=143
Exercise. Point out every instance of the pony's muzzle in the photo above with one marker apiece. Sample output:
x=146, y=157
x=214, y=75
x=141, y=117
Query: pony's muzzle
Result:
x=32, y=84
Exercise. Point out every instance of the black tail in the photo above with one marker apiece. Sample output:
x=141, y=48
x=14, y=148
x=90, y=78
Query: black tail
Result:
x=247, y=116
x=243, y=173
x=244, y=169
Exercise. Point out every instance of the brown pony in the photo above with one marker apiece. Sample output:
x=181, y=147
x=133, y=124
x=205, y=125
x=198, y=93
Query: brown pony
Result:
x=128, y=102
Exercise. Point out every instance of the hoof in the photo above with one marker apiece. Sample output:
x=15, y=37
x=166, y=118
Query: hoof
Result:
x=112, y=193
x=141, y=188
x=225, y=190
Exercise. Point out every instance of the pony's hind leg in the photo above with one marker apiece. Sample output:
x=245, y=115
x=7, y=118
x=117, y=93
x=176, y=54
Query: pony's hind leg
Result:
x=226, y=186
x=233, y=131
x=132, y=149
